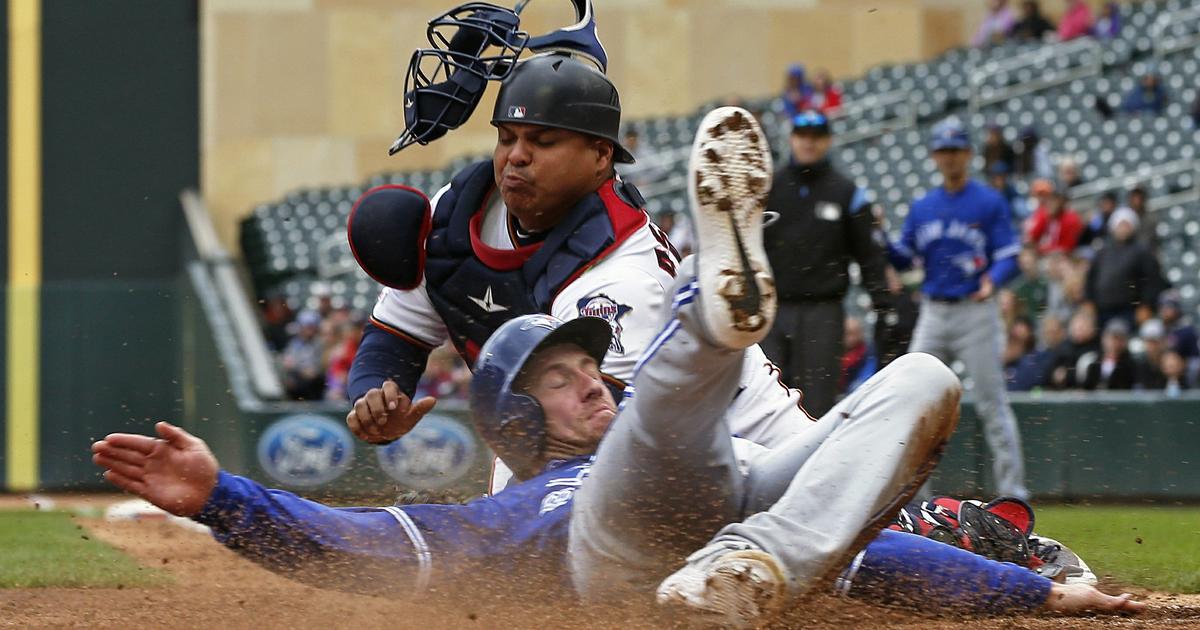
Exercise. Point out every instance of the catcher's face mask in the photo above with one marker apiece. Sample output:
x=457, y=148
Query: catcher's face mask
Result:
x=471, y=44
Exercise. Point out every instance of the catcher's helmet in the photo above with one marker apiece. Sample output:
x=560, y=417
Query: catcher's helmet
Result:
x=555, y=90
x=471, y=44
x=512, y=422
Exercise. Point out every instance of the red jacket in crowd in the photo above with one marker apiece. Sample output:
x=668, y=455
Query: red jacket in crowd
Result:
x=1052, y=234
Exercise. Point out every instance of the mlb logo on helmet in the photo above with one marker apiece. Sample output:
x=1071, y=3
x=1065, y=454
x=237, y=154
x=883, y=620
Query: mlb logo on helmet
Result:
x=516, y=111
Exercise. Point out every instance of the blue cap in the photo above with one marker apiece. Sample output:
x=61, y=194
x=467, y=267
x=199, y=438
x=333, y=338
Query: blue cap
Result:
x=810, y=121
x=949, y=135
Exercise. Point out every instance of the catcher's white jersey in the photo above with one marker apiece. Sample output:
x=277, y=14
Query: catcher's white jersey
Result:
x=626, y=288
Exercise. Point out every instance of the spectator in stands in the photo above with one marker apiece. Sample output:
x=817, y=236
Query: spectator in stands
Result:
x=1025, y=365
x=302, y=360
x=1068, y=173
x=1147, y=97
x=1181, y=334
x=340, y=355
x=1114, y=368
x=858, y=359
x=1054, y=228
x=643, y=171
x=1108, y=24
x=1010, y=308
x=1147, y=233
x=1051, y=332
x=1033, y=26
x=1175, y=373
x=998, y=179
x=1065, y=280
x=1097, y=225
x=996, y=150
x=1041, y=191
x=1148, y=365
x=995, y=26
x=1196, y=112
x=1124, y=280
x=678, y=228
x=1076, y=21
x=826, y=96
x=277, y=315
x=1080, y=344
x=797, y=93
x=446, y=375
x=1029, y=288
x=320, y=298
x=1032, y=155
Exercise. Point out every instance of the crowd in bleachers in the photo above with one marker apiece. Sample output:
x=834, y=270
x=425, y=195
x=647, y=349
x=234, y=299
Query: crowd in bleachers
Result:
x=315, y=347
x=1040, y=149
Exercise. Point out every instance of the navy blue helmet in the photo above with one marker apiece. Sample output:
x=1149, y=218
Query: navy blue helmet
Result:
x=479, y=42
x=512, y=422
x=471, y=44
x=949, y=134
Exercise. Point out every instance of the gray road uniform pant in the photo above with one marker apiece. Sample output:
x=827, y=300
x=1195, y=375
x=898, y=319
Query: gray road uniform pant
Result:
x=665, y=481
x=972, y=333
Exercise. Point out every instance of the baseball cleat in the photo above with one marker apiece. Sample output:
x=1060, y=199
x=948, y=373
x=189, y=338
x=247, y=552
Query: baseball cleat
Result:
x=729, y=176
x=726, y=584
x=1061, y=564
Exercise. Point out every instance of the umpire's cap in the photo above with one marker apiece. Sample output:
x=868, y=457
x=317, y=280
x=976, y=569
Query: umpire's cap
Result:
x=555, y=90
x=949, y=135
x=510, y=421
x=811, y=121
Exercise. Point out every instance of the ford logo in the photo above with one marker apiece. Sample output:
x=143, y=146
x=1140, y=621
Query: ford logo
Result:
x=305, y=450
x=435, y=454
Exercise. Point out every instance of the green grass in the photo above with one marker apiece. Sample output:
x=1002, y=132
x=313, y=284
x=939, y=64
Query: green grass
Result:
x=47, y=549
x=1151, y=547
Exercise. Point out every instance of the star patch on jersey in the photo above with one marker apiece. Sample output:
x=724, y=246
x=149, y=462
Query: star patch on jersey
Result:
x=609, y=310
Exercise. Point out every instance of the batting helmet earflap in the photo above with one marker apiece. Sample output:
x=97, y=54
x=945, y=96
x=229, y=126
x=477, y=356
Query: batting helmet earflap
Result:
x=512, y=422
x=556, y=90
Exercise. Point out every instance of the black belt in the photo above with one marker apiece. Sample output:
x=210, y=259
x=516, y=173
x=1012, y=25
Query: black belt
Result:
x=947, y=299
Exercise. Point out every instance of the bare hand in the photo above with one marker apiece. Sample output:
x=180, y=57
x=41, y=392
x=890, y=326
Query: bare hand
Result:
x=1079, y=598
x=177, y=472
x=385, y=413
x=985, y=289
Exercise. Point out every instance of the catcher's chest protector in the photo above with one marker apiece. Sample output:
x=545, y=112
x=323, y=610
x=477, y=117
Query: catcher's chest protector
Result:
x=475, y=288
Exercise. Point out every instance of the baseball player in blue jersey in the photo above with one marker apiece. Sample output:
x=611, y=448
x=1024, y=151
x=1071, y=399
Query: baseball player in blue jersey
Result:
x=962, y=234
x=612, y=517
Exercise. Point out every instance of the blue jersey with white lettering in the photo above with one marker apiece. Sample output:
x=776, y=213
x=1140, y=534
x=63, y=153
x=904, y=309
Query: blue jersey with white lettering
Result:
x=958, y=236
x=523, y=531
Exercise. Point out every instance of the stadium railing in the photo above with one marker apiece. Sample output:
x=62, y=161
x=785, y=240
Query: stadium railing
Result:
x=1038, y=69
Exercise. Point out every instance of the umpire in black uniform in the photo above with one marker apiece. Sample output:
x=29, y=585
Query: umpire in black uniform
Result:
x=824, y=223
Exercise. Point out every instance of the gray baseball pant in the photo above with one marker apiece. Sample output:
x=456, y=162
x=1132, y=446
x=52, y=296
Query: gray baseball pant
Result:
x=665, y=481
x=972, y=333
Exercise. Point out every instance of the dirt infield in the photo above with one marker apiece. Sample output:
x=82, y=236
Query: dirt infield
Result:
x=213, y=588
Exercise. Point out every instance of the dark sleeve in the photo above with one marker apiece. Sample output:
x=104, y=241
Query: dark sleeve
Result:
x=869, y=255
x=913, y=571
x=383, y=355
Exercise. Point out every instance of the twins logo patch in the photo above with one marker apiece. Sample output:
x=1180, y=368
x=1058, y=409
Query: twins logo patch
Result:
x=609, y=310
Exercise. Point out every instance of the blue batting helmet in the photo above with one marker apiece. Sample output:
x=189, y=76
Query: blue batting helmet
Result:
x=511, y=421
x=950, y=134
